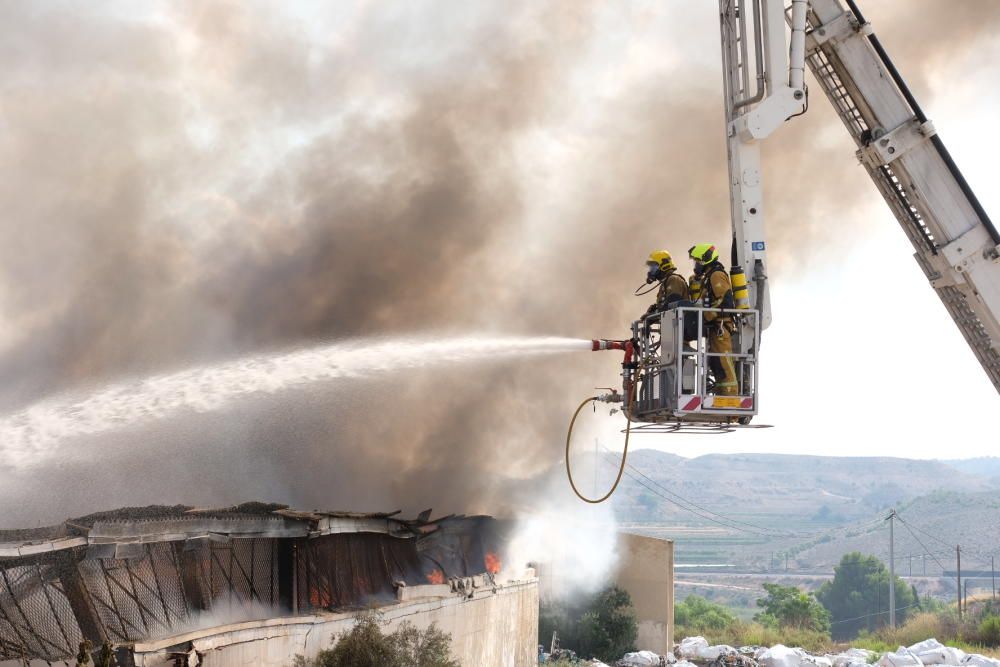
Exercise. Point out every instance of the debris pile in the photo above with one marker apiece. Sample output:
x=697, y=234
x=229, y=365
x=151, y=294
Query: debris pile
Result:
x=696, y=652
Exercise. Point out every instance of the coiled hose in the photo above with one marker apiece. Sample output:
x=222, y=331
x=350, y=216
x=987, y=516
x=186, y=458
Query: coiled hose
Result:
x=621, y=467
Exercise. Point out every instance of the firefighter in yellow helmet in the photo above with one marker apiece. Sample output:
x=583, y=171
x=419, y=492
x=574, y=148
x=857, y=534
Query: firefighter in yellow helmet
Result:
x=660, y=267
x=717, y=292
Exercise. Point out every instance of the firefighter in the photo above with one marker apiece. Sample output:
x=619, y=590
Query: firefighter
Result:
x=717, y=292
x=660, y=267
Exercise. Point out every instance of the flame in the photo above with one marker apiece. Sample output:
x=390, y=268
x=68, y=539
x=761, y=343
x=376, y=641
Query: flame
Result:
x=492, y=562
x=435, y=576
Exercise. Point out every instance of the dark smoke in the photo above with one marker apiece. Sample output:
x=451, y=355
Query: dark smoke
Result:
x=215, y=179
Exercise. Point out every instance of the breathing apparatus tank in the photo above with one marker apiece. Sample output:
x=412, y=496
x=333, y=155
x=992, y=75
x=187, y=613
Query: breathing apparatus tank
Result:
x=741, y=293
x=694, y=288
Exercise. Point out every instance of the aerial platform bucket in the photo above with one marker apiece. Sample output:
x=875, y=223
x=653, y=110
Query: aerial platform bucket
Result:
x=674, y=375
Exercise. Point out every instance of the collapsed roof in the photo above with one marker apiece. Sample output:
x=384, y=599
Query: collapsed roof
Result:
x=140, y=573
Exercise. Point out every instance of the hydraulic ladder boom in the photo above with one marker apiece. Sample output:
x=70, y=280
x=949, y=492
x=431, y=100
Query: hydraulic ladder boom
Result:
x=956, y=244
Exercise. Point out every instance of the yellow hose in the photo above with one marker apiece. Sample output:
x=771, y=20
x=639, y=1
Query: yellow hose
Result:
x=621, y=468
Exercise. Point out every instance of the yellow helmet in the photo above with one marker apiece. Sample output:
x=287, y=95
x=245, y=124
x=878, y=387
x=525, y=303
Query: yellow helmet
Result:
x=659, y=265
x=662, y=260
x=704, y=253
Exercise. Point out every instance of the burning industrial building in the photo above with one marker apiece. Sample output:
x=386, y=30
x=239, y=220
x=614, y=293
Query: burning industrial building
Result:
x=256, y=584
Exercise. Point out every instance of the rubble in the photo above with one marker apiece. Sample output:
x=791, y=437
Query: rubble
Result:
x=977, y=660
x=641, y=659
x=854, y=657
x=690, y=646
x=932, y=652
x=903, y=657
x=696, y=652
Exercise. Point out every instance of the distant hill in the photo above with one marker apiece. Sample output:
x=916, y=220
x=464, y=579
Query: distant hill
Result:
x=937, y=522
x=788, y=491
x=772, y=503
x=984, y=466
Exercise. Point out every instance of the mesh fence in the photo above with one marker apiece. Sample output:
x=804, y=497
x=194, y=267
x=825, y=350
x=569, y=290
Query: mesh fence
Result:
x=138, y=597
x=132, y=598
x=139, y=591
x=239, y=575
x=36, y=619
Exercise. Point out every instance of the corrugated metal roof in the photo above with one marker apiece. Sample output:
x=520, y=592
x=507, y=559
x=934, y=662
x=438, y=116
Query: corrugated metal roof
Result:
x=162, y=523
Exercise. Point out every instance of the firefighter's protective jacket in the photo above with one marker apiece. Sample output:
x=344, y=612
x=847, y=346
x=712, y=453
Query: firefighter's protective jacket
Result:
x=673, y=288
x=717, y=290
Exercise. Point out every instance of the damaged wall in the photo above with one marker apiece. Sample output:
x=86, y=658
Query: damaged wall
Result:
x=497, y=624
x=138, y=574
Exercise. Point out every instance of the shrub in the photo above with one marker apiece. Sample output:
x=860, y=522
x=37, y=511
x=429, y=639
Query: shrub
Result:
x=601, y=625
x=989, y=631
x=971, y=635
x=787, y=606
x=755, y=634
x=698, y=614
x=920, y=627
x=364, y=645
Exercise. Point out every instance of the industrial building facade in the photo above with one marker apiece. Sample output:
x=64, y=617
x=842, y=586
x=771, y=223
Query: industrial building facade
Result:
x=254, y=583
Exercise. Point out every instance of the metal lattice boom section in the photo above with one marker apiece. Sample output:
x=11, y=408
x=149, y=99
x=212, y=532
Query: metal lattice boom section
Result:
x=944, y=221
x=892, y=189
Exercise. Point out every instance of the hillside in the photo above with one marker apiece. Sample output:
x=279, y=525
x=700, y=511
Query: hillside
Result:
x=938, y=522
x=983, y=466
x=807, y=506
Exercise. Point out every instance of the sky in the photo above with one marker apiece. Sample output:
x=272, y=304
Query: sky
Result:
x=189, y=183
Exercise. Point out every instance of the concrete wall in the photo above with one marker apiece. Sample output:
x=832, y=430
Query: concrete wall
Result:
x=646, y=571
x=489, y=626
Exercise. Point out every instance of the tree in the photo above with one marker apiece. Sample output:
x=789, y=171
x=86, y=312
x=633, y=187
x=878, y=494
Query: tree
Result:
x=858, y=596
x=787, y=606
x=601, y=626
x=697, y=614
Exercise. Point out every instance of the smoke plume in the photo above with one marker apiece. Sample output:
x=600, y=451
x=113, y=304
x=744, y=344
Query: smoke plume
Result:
x=191, y=182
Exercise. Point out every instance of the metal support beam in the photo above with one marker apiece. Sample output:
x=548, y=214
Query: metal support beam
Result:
x=189, y=556
x=79, y=599
x=286, y=574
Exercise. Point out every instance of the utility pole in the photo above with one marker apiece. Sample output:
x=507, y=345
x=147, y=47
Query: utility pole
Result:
x=892, y=572
x=958, y=559
x=911, y=567
x=786, y=561
x=993, y=576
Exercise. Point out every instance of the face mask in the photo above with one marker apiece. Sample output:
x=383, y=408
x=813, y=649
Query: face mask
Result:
x=699, y=268
x=652, y=272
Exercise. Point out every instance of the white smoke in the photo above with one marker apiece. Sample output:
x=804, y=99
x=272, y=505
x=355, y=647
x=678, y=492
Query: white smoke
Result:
x=574, y=545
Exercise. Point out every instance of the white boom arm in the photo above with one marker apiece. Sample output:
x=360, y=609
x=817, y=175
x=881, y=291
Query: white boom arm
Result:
x=751, y=117
x=956, y=244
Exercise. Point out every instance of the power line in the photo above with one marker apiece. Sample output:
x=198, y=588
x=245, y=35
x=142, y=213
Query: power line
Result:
x=933, y=537
x=878, y=613
x=906, y=524
x=704, y=509
x=688, y=509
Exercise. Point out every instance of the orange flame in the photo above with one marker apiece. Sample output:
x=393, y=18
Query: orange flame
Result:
x=492, y=562
x=436, y=576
